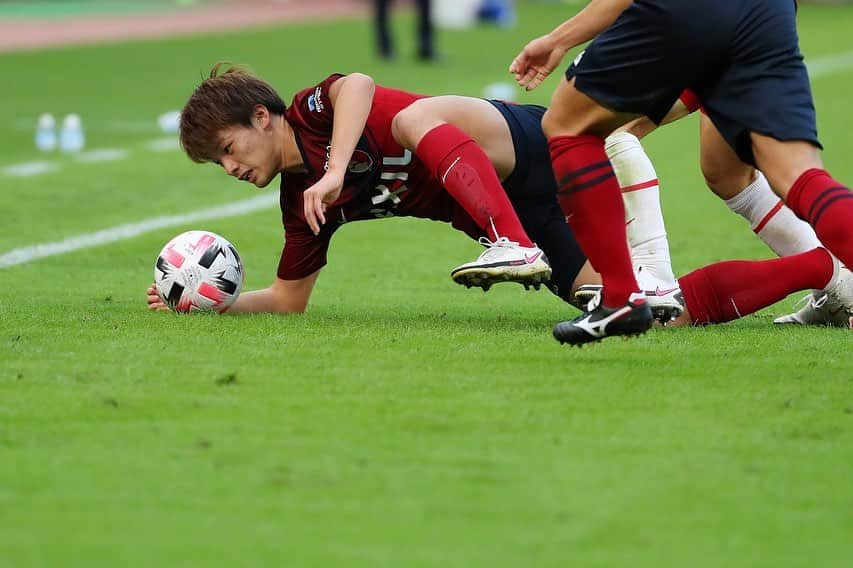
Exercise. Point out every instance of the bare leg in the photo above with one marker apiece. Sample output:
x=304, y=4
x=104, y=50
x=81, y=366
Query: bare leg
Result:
x=783, y=162
x=725, y=174
x=476, y=117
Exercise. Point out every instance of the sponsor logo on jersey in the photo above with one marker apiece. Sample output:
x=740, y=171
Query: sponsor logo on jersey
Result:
x=315, y=101
x=360, y=162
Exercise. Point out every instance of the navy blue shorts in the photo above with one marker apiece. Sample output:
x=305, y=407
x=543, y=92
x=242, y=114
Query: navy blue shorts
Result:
x=533, y=192
x=741, y=58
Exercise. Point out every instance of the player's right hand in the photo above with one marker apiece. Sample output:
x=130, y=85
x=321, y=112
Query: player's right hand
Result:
x=536, y=61
x=154, y=301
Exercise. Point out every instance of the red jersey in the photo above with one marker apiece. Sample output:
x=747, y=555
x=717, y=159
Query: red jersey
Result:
x=383, y=178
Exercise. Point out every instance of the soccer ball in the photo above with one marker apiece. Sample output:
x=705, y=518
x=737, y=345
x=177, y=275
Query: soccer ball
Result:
x=198, y=271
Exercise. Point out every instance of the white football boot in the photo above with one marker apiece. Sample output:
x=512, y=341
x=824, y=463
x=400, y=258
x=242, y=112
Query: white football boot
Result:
x=661, y=289
x=504, y=261
x=832, y=306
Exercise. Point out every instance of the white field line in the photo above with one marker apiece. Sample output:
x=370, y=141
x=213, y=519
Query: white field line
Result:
x=29, y=169
x=122, y=232
x=167, y=144
x=98, y=155
x=102, y=155
x=126, y=126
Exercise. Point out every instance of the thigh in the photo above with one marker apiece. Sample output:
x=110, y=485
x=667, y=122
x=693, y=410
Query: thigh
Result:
x=573, y=113
x=476, y=117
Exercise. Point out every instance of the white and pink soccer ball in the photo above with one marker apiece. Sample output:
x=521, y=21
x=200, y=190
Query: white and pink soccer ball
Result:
x=198, y=271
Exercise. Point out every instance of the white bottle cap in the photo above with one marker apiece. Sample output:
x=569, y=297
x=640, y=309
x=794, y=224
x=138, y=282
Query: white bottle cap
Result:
x=72, y=121
x=47, y=121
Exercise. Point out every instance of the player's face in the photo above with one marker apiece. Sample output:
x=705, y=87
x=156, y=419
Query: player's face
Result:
x=249, y=154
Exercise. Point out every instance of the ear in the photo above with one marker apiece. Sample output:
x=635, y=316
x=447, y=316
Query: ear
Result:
x=261, y=117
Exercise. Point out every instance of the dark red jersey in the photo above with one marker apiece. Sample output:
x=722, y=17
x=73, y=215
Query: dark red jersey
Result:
x=383, y=178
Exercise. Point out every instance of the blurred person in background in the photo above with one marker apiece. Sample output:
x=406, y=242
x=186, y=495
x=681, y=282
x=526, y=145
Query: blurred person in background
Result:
x=423, y=29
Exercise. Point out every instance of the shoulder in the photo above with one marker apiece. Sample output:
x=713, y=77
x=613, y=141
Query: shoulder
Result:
x=316, y=97
x=311, y=108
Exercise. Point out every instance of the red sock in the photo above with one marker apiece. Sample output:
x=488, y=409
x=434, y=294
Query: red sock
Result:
x=590, y=197
x=729, y=290
x=827, y=206
x=468, y=175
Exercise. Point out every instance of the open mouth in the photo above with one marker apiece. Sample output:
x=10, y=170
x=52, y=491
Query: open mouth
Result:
x=247, y=176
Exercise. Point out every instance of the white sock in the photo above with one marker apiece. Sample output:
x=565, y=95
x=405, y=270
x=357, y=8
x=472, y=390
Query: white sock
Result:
x=643, y=216
x=771, y=219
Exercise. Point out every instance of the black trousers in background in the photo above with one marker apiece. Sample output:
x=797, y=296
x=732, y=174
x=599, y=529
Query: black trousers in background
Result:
x=424, y=29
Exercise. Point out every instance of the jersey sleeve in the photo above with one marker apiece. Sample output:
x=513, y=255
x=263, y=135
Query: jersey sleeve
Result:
x=311, y=108
x=304, y=252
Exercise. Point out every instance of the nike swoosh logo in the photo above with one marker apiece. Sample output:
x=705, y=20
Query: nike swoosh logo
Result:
x=532, y=259
x=658, y=292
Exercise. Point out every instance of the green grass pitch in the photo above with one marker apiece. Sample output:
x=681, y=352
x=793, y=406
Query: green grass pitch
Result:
x=403, y=421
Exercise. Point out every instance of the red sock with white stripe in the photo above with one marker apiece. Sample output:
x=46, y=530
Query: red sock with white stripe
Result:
x=772, y=220
x=729, y=290
x=589, y=196
x=828, y=207
x=468, y=175
x=643, y=216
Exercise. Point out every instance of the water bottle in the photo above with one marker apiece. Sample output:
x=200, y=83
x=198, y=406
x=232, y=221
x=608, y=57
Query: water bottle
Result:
x=71, y=137
x=46, y=133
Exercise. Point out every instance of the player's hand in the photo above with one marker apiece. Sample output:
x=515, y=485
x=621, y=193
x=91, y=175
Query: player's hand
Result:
x=317, y=197
x=154, y=301
x=536, y=61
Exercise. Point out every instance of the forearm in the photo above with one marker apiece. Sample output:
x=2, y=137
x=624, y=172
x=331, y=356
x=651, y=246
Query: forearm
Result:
x=262, y=301
x=283, y=297
x=352, y=99
x=588, y=23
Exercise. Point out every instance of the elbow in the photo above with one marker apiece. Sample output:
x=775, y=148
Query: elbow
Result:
x=364, y=81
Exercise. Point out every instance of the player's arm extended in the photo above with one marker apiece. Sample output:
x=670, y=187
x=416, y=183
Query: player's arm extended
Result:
x=282, y=297
x=542, y=55
x=351, y=98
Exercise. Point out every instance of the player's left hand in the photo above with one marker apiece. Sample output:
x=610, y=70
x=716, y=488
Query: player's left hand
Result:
x=315, y=199
x=536, y=61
